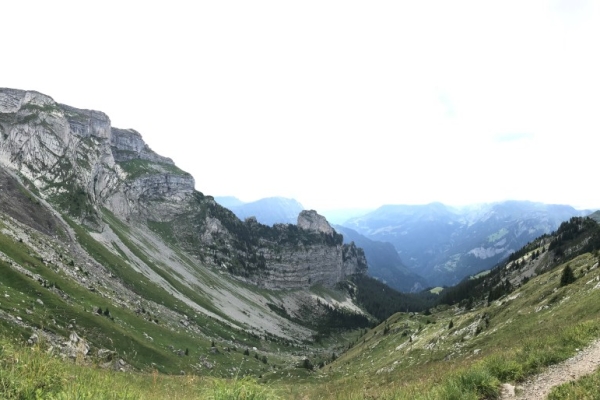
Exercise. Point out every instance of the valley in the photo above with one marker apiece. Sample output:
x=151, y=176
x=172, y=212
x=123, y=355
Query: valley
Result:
x=120, y=280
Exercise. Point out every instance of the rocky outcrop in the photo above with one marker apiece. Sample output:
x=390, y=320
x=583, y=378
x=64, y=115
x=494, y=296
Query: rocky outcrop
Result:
x=63, y=150
x=78, y=161
x=58, y=148
x=127, y=145
x=320, y=257
x=310, y=220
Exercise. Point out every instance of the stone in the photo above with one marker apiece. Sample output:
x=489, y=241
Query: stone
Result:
x=33, y=339
x=507, y=390
x=105, y=354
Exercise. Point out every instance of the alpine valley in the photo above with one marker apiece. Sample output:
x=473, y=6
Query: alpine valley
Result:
x=118, y=279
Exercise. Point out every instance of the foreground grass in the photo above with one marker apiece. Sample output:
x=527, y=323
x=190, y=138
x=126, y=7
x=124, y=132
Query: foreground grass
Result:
x=587, y=388
x=31, y=373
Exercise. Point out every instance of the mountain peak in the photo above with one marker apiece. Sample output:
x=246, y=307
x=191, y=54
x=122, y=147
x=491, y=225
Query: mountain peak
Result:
x=312, y=221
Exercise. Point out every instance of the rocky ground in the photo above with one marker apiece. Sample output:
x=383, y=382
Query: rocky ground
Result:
x=583, y=363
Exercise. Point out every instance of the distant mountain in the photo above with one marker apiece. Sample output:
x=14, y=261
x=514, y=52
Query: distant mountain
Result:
x=444, y=244
x=229, y=201
x=268, y=211
x=595, y=216
x=384, y=262
x=339, y=216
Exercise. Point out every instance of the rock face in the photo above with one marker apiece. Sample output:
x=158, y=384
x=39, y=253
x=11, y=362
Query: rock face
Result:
x=323, y=260
x=81, y=164
x=128, y=145
x=310, y=220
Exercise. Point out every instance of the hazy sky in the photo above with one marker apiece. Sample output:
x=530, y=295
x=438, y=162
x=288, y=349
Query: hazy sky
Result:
x=338, y=104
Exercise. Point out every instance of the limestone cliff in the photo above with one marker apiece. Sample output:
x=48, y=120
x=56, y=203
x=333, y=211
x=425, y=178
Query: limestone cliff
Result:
x=83, y=165
x=309, y=219
x=308, y=254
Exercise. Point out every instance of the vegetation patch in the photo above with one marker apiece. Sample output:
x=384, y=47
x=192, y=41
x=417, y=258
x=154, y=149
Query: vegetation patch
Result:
x=139, y=167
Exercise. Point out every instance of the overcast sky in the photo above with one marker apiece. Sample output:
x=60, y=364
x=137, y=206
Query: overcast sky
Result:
x=337, y=104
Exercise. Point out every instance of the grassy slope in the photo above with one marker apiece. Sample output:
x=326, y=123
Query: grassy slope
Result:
x=27, y=373
x=58, y=312
x=537, y=325
x=20, y=294
x=408, y=356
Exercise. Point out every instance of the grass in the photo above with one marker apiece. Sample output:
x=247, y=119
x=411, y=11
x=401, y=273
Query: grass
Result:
x=586, y=388
x=415, y=357
x=407, y=357
x=138, y=167
x=57, y=313
x=538, y=325
x=31, y=373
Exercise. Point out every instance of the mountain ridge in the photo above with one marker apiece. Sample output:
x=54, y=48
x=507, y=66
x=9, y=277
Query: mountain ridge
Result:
x=136, y=232
x=444, y=244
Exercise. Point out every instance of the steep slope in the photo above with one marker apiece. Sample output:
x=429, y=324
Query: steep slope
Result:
x=445, y=244
x=384, y=262
x=98, y=219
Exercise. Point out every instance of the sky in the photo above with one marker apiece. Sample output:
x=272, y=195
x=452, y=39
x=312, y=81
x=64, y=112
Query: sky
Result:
x=338, y=104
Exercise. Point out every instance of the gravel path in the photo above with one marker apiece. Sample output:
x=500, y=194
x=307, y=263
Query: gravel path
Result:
x=537, y=387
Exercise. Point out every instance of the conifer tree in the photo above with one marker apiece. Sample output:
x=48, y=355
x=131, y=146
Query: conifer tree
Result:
x=567, y=276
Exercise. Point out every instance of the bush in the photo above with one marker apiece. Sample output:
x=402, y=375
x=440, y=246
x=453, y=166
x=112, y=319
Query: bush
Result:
x=306, y=364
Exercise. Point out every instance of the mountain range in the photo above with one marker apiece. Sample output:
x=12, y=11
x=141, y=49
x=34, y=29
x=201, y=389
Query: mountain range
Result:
x=117, y=275
x=94, y=222
x=445, y=244
x=410, y=247
x=267, y=211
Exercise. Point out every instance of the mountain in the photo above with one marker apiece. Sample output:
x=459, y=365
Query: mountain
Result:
x=382, y=258
x=105, y=240
x=117, y=275
x=228, y=201
x=491, y=333
x=340, y=216
x=444, y=244
x=595, y=216
x=384, y=262
x=267, y=211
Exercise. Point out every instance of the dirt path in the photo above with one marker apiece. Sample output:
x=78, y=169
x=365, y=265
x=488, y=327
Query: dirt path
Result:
x=537, y=387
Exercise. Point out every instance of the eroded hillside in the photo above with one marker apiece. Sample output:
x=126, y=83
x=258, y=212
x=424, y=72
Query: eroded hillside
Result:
x=137, y=263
